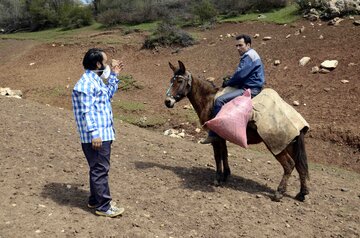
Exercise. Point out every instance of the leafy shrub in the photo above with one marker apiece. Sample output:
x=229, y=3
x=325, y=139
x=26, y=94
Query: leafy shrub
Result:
x=204, y=10
x=75, y=17
x=168, y=34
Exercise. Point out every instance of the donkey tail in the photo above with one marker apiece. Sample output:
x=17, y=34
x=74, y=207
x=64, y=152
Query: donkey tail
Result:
x=300, y=155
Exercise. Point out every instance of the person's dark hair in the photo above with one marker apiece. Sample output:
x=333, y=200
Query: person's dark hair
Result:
x=91, y=57
x=247, y=39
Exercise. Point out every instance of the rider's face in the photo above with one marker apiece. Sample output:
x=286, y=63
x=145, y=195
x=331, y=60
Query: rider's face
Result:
x=241, y=46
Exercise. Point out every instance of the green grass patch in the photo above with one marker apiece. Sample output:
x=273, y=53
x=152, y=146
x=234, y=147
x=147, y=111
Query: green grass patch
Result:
x=288, y=14
x=192, y=117
x=143, y=121
x=129, y=105
x=127, y=82
x=150, y=26
x=54, y=35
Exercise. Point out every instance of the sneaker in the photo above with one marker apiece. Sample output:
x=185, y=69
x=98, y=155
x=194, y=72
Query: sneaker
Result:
x=210, y=140
x=112, y=212
x=112, y=203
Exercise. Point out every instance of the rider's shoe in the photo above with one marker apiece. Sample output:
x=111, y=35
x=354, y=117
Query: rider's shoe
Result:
x=210, y=140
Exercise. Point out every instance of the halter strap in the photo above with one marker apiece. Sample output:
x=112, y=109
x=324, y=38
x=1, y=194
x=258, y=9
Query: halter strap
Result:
x=172, y=83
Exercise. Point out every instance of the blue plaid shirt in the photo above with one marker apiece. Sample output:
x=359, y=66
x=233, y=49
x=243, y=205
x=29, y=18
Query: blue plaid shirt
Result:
x=92, y=107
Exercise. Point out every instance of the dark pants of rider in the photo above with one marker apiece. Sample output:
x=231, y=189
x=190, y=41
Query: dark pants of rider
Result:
x=220, y=101
x=99, y=163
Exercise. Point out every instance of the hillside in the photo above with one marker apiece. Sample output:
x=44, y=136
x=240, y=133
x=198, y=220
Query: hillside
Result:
x=165, y=184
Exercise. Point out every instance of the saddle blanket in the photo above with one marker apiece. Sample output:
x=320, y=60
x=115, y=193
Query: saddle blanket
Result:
x=277, y=122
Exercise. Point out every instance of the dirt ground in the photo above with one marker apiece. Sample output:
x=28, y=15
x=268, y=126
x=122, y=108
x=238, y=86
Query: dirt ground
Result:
x=165, y=184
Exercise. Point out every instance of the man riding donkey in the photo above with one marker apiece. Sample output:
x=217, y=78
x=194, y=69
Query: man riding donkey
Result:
x=248, y=75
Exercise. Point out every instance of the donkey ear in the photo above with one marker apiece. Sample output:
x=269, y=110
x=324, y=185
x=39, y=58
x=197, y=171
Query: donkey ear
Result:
x=182, y=67
x=172, y=67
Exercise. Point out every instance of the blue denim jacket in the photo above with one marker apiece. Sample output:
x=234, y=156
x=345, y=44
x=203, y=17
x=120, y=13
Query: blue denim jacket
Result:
x=249, y=73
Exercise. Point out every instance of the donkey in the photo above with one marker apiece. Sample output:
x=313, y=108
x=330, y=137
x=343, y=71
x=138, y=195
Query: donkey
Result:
x=201, y=94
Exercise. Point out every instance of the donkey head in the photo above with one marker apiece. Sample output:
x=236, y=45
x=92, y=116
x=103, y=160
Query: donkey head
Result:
x=180, y=85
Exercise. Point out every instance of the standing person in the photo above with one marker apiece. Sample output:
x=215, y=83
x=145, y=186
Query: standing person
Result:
x=93, y=114
x=248, y=75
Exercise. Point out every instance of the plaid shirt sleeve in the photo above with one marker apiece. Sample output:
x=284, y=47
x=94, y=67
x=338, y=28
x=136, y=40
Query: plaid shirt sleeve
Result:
x=113, y=84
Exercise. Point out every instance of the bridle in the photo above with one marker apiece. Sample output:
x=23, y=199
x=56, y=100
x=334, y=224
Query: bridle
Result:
x=178, y=96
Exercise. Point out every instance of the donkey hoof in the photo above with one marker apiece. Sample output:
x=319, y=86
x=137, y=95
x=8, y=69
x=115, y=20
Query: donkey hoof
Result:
x=300, y=197
x=277, y=197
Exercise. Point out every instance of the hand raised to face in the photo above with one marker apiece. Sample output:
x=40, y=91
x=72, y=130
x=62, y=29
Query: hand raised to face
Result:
x=116, y=66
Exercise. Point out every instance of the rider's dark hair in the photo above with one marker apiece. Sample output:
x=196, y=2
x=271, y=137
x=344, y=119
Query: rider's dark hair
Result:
x=247, y=39
x=91, y=57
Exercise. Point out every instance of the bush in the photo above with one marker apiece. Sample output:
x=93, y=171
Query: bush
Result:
x=41, y=14
x=167, y=35
x=76, y=17
x=13, y=16
x=205, y=11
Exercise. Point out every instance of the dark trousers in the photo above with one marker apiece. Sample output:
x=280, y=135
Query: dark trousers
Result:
x=220, y=101
x=99, y=163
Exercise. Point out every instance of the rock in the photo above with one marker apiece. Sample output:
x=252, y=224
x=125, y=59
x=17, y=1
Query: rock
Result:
x=181, y=134
x=327, y=89
x=228, y=35
x=302, y=29
x=288, y=36
x=351, y=64
x=258, y=196
x=197, y=130
x=304, y=61
x=221, y=36
x=321, y=37
x=329, y=64
x=324, y=71
x=315, y=69
x=189, y=107
x=68, y=186
x=277, y=62
x=32, y=63
x=296, y=103
x=170, y=132
x=11, y=93
x=261, y=16
x=344, y=81
x=266, y=38
x=356, y=23
x=211, y=79
x=256, y=35
x=344, y=190
x=335, y=22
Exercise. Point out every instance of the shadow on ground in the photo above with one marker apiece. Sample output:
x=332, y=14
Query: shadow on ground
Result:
x=71, y=195
x=200, y=179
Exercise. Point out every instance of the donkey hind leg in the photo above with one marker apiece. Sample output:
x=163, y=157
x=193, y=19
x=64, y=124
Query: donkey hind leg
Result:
x=288, y=165
x=217, y=155
x=301, y=165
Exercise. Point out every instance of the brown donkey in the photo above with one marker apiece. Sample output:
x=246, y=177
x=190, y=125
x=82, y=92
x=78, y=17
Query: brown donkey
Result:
x=201, y=95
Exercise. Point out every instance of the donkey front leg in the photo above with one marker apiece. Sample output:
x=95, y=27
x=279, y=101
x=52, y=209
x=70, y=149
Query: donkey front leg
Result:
x=224, y=157
x=217, y=156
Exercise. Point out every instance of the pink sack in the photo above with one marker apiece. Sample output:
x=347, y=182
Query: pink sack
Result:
x=230, y=123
